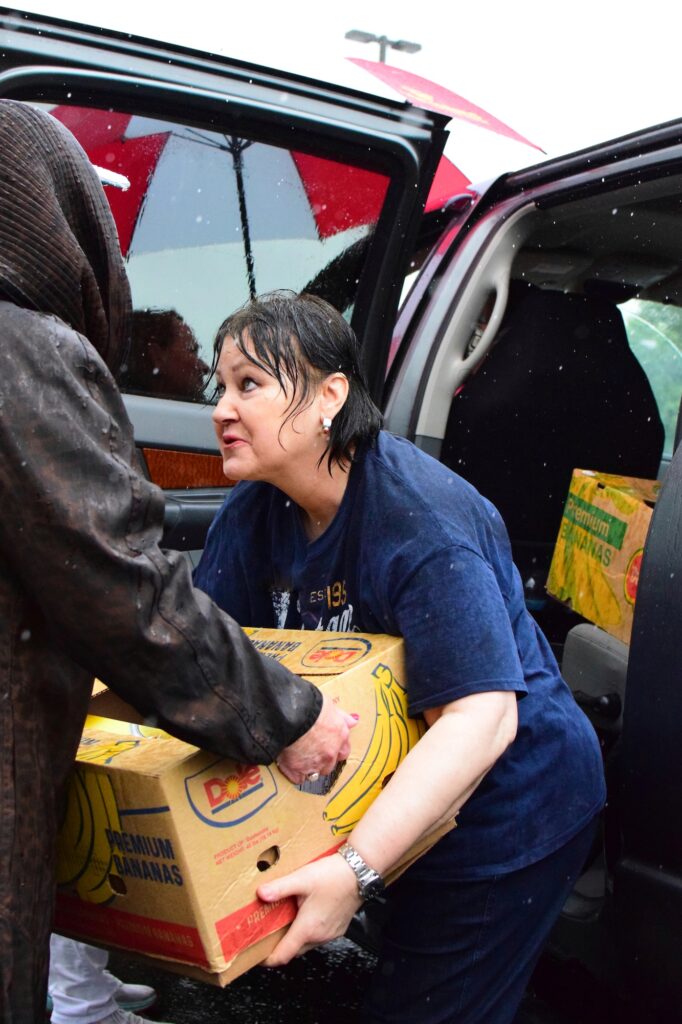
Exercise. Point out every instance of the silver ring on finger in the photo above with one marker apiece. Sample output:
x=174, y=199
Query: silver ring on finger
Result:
x=312, y=776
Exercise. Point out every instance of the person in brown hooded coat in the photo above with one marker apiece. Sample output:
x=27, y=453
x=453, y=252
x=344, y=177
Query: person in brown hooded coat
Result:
x=84, y=588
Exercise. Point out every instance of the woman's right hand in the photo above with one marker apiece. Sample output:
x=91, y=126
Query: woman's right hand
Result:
x=326, y=892
x=321, y=748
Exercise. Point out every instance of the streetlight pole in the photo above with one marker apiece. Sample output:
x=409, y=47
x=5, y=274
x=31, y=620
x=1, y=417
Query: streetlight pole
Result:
x=358, y=36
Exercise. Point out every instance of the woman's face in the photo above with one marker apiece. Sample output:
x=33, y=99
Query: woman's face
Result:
x=257, y=437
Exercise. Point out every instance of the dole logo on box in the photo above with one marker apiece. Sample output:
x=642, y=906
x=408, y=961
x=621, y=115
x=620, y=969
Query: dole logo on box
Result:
x=342, y=651
x=225, y=794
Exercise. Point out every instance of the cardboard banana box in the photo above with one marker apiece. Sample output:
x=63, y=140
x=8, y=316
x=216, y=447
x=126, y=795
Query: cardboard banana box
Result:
x=164, y=845
x=598, y=554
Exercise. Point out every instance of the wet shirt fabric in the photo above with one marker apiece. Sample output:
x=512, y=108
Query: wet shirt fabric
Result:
x=415, y=551
x=84, y=587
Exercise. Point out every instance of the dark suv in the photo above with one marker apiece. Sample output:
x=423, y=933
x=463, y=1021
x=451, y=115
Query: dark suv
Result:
x=540, y=330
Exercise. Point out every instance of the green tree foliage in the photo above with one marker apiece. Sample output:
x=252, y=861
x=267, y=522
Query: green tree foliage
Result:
x=655, y=336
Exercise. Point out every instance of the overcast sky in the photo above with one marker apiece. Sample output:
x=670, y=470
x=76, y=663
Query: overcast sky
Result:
x=564, y=75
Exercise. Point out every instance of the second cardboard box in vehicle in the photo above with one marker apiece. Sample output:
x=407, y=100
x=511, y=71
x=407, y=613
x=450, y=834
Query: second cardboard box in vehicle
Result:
x=596, y=561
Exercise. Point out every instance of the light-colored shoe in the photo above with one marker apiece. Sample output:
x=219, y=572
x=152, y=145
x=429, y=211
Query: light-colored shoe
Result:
x=128, y=997
x=132, y=997
x=120, y=1016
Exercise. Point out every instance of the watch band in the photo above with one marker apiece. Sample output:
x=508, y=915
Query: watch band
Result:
x=370, y=883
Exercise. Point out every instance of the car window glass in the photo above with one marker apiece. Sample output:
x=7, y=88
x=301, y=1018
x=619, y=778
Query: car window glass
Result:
x=211, y=219
x=655, y=336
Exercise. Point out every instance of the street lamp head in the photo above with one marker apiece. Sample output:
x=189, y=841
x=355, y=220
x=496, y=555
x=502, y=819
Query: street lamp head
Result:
x=405, y=46
x=358, y=36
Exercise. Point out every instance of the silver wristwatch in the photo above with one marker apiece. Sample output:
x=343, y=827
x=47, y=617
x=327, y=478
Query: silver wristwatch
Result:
x=370, y=883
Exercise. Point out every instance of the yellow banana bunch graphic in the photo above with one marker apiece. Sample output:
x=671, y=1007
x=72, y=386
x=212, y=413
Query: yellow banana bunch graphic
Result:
x=84, y=853
x=394, y=734
x=75, y=839
x=594, y=596
x=577, y=577
x=115, y=725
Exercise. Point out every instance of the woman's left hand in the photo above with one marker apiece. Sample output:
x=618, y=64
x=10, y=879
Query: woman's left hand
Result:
x=327, y=896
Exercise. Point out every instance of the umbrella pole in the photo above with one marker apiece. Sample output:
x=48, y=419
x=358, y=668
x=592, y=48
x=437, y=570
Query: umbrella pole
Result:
x=236, y=147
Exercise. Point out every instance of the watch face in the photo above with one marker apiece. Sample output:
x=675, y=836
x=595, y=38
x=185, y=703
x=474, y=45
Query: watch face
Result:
x=370, y=883
x=372, y=889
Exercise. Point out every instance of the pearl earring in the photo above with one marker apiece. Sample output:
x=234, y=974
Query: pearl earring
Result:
x=326, y=425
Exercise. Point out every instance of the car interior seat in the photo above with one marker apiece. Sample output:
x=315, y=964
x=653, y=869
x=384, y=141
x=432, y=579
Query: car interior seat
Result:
x=559, y=389
x=595, y=667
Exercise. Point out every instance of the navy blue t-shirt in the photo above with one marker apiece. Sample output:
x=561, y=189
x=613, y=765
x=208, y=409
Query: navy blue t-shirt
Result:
x=415, y=551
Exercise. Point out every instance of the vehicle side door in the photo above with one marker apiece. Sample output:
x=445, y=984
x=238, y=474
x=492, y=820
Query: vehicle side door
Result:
x=241, y=181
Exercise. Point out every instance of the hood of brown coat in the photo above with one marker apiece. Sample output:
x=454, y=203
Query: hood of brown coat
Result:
x=59, y=250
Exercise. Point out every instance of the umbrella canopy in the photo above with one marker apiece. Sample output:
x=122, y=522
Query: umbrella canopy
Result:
x=338, y=196
x=481, y=146
x=324, y=197
x=198, y=189
x=211, y=218
x=431, y=96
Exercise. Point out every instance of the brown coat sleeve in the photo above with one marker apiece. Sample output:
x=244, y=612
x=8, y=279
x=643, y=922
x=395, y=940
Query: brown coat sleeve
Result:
x=80, y=528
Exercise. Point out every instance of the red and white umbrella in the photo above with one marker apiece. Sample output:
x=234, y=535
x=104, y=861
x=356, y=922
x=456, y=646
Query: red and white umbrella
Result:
x=324, y=196
x=328, y=197
x=210, y=216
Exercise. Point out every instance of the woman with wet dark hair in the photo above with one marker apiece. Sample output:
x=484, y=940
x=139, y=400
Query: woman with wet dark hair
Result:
x=300, y=341
x=84, y=588
x=337, y=525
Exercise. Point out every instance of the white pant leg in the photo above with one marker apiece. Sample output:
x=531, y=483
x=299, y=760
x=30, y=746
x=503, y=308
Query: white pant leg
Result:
x=81, y=991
